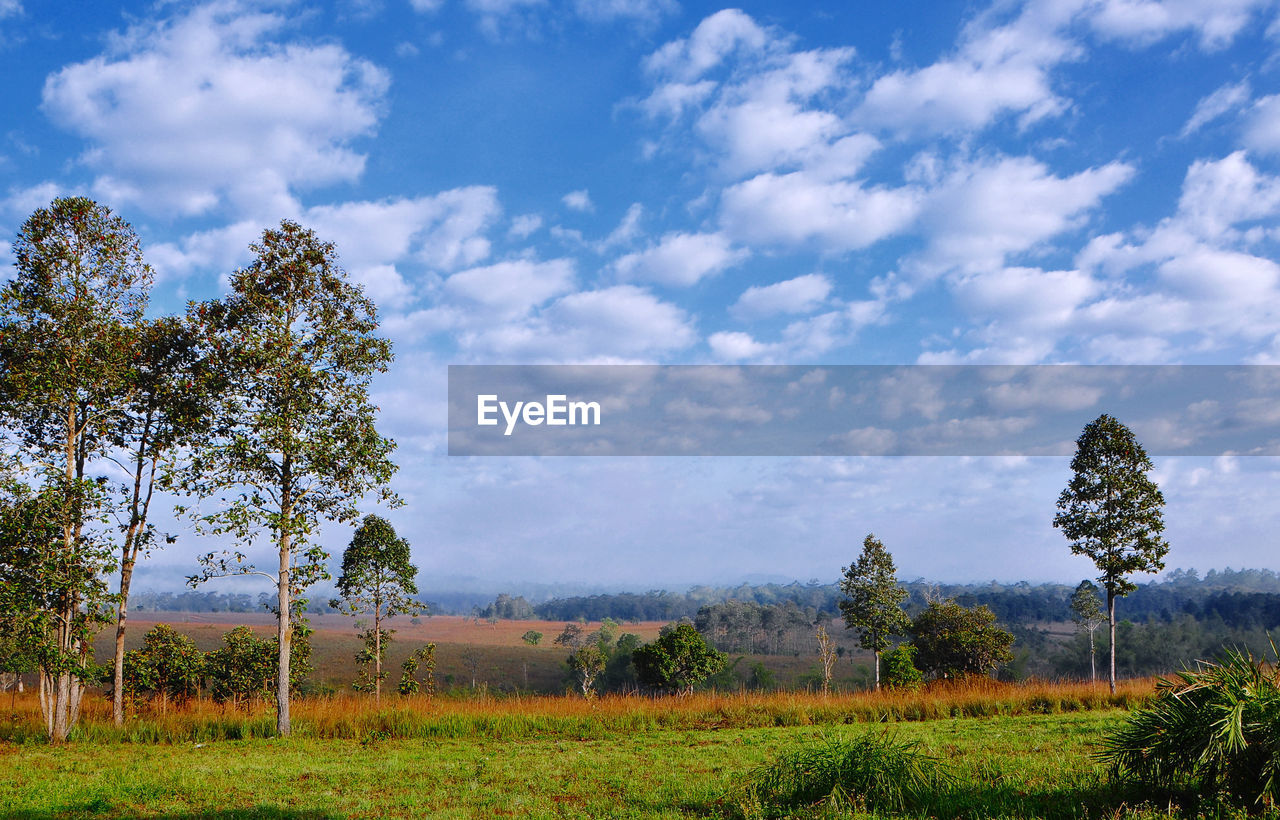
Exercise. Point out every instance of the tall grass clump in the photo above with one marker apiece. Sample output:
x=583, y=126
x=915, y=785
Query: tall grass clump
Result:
x=1212, y=731
x=869, y=772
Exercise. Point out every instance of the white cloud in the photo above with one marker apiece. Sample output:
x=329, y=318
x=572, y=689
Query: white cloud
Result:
x=524, y=226
x=623, y=323
x=210, y=107
x=642, y=11
x=984, y=212
x=1262, y=129
x=578, y=201
x=1216, y=22
x=802, y=294
x=998, y=71
x=512, y=288
x=799, y=209
x=426, y=6
x=714, y=39
x=736, y=346
x=681, y=259
x=384, y=244
x=1222, y=101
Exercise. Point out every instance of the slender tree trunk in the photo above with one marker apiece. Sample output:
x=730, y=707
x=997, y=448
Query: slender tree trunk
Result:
x=284, y=623
x=138, y=507
x=877, y=670
x=122, y=615
x=377, y=655
x=1093, y=663
x=1111, y=618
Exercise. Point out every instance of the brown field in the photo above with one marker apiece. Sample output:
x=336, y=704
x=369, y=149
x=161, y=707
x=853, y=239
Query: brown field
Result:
x=469, y=653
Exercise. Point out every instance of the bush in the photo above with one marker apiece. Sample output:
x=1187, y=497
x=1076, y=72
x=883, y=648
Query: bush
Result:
x=1214, y=730
x=871, y=773
x=167, y=668
x=677, y=660
x=900, y=670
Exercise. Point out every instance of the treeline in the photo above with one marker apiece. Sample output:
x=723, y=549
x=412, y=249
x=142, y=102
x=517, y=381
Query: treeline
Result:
x=1245, y=598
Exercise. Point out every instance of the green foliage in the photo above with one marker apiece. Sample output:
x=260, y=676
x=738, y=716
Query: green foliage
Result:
x=762, y=678
x=243, y=669
x=873, y=602
x=372, y=654
x=376, y=579
x=869, y=773
x=68, y=320
x=1214, y=731
x=587, y=662
x=423, y=658
x=168, y=667
x=532, y=637
x=900, y=670
x=953, y=641
x=295, y=441
x=1086, y=608
x=677, y=660
x=1110, y=510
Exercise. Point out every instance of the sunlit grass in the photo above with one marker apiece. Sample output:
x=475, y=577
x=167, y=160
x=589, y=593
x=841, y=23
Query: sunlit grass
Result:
x=350, y=716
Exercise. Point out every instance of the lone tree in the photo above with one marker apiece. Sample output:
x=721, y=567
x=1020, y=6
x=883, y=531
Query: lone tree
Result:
x=377, y=579
x=1112, y=512
x=295, y=441
x=873, y=605
x=1086, y=611
x=953, y=641
x=677, y=660
x=67, y=324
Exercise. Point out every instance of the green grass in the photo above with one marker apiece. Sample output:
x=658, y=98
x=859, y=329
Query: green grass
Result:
x=1004, y=766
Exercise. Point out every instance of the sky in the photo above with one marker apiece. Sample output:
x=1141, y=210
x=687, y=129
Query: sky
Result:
x=676, y=182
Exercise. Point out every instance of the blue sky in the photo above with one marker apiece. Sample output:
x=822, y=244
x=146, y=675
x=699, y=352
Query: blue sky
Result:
x=617, y=181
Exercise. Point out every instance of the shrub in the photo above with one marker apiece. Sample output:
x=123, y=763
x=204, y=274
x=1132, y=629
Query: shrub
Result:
x=167, y=668
x=677, y=660
x=900, y=670
x=1214, y=730
x=871, y=773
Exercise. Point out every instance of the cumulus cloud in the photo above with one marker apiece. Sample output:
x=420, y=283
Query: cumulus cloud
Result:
x=985, y=211
x=578, y=201
x=512, y=288
x=1143, y=22
x=384, y=244
x=681, y=259
x=212, y=106
x=713, y=40
x=802, y=294
x=800, y=209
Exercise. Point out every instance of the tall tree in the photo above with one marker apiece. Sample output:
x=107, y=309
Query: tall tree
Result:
x=873, y=602
x=1086, y=611
x=171, y=391
x=1112, y=512
x=67, y=323
x=377, y=579
x=296, y=441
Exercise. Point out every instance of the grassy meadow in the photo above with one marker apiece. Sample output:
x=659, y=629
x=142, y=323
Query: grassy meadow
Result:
x=498, y=750
x=1014, y=750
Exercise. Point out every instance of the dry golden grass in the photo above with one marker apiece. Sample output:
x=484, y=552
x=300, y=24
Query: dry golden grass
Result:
x=357, y=716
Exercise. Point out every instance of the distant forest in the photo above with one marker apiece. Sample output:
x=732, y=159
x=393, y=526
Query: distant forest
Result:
x=1164, y=625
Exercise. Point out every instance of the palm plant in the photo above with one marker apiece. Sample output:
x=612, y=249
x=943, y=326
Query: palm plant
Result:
x=1214, y=730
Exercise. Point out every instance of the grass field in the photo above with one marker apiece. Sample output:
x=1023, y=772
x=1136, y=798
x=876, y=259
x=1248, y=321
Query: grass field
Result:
x=1024, y=754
